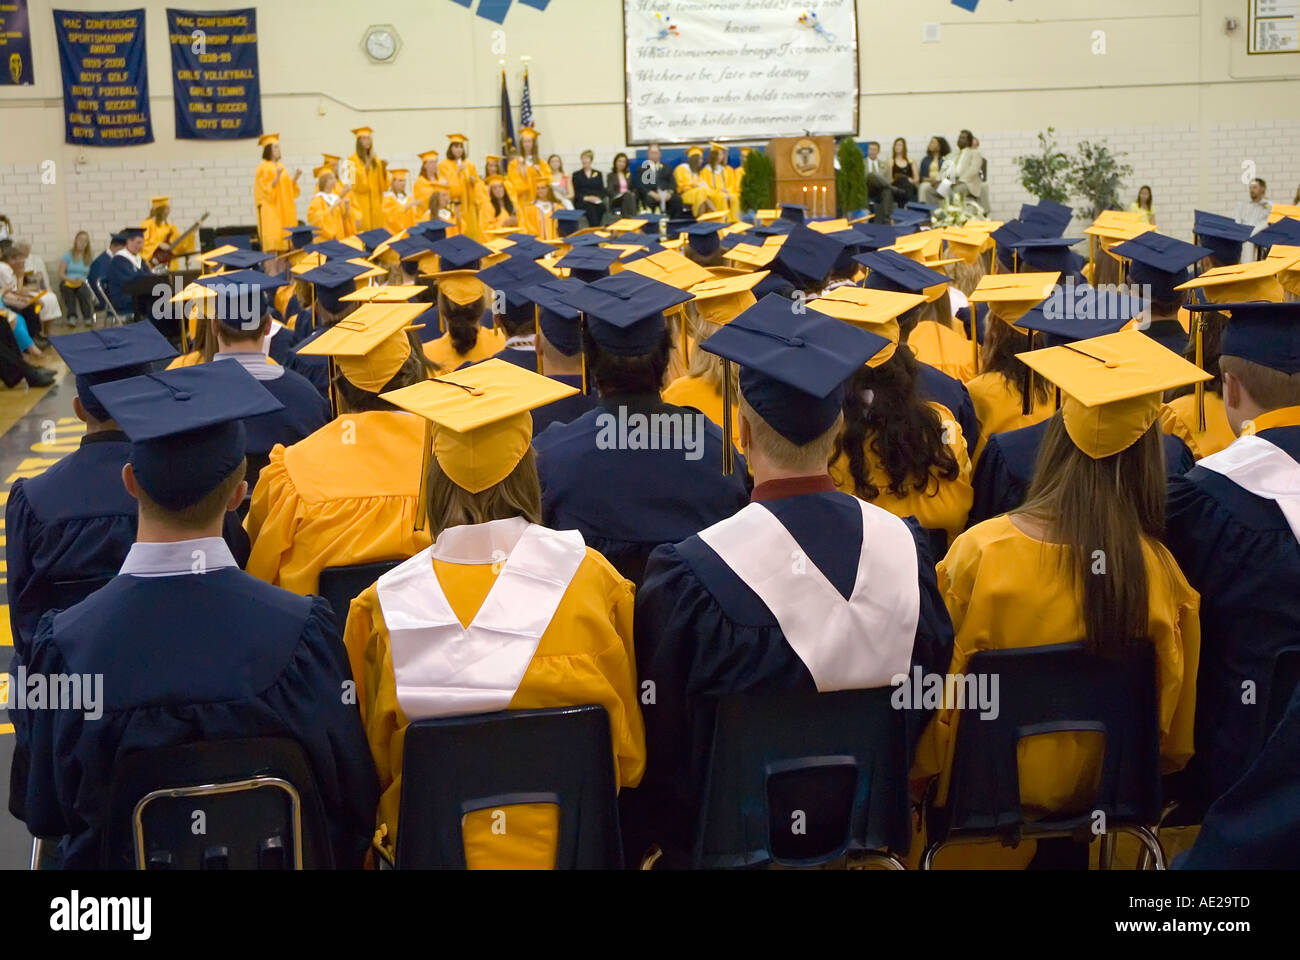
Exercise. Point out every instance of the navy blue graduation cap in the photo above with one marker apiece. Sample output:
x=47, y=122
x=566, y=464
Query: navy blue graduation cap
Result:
x=301, y=235
x=1093, y=313
x=794, y=365
x=675, y=227
x=1014, y=231
x=373, y=238
x=851, y=243
x=510, y=276
x=732, y=239
x=333, y=250
x=1050, y=254
x=243, y=297
x=412, y=247
x=1222, y=235
x=332, y=280
x=890, y=270
x=459, y=252
x=186, y=427
x=115, y=353
x=625, y=312
x=559, y=321
x=703, y=237
x=117, y=238
x=1261, y=332
x=434, y=228
x=241, y=259
x=652, y=221
x=773, y=283
x=1285, y=232
x=1056, y=215
x=641, y=254
x=588, y=264
x=131, y=233
x=910, y=219
x=527, y=246
x=1160, y=262
x=807, y=257
x=777, y=228
x=925, y=208
x=567, y=221
x=794, y=212
x=877, y=235
x=586, y=240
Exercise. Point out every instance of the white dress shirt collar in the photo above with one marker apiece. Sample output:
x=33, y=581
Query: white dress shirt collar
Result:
x=182, y=558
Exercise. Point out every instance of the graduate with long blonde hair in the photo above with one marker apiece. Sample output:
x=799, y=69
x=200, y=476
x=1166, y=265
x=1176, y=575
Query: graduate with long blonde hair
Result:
x=275, y=194
x=369, y=176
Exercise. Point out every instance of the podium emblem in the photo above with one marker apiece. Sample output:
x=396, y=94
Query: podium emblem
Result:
x=806, y=157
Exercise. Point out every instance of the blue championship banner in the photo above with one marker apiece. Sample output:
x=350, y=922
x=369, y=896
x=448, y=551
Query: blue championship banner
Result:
x=105, y=78
x=215, y=78
x=15, y=44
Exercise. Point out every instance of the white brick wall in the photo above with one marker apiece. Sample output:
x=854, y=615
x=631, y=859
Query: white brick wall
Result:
x=102, y=197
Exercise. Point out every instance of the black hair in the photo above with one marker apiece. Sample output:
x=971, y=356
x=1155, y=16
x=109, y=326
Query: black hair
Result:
x=614, y=374
x=461, y=323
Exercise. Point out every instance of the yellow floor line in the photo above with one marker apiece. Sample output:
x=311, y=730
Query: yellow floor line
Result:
x=6, y=728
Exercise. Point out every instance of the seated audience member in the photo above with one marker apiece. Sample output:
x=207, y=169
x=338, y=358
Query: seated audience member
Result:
x=26, y=297
x=1232, y=527
x=74, y=271
x=962, y=173
x=880, y=186
x=604, y=474
x=1143, y=205
x=718, y=613
x=99, y=267
x=620, y=189
x=657, y=185
x=255, y=661
x=349, y=493
x=556, y=629
x=127, y=273
x=1023, y=580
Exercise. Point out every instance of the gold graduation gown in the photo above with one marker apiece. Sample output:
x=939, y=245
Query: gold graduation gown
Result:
x=444, y=357
x=699, y=393
x=191, y=359
x=584, y=655
x=1004, y=590
x=423, y=193
x=459, y=179
x=276, y=205
x=944, y=349
x=943, y=505
x=695, y=193
x=524, y=180
x=345, y=495
x=368, y=186
x=1178, y=417
x=999, y=408
x=722, y=183
x=536, y=220
x=398, y=214
x=328, y=218
x=156, y=234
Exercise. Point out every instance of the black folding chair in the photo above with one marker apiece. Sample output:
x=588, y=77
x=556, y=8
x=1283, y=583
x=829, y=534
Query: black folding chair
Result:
x=1285, y=680
x=804, y=779
x=1058, y=688
x=455, y=766
x=216, y=805
x=68, y=593
x=341, y=585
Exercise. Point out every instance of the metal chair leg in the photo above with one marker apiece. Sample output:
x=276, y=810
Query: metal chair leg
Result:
x=861, y=861
x=1106, y=852
x=927, y=858
x=38, y=849
x=1152, y=851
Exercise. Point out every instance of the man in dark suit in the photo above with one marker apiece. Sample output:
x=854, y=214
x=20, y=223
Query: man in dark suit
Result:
x=656, y=186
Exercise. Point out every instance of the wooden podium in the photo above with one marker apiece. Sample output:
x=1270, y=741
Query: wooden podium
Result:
x=805, y=172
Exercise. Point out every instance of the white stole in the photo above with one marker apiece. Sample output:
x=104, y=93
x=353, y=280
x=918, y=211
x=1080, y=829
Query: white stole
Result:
x=851, y=644
x=443, y=669
x=1264, y=469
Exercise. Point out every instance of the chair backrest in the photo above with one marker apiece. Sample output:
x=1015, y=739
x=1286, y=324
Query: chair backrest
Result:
x=220, y=804
x=1057, y=688
x=1286, y=678
x=454, y=766
x=800, y=779
x=69, y=593
x=341, y=585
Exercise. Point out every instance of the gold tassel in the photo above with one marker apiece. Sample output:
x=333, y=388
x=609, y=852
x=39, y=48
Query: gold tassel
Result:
x=334, y=398
x=537, y=337
x=728, y=455
x=974, y=335
x=422, y=501
x=1200, y=362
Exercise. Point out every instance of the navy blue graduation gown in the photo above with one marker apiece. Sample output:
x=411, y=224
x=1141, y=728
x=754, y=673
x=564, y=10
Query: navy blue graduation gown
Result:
x=74, y=522
x=981, y=320
x=627, y=502
x=98, y=271
x=1168, y=333
x=227, y=657
x=937, y=386
x=305, y=411
x=121, y=273
x=1238, y=552
x=565, y=410
x=316, y=370
x=702, y=633
x=520, y=358
x=1006, y=468
x=1256, y=824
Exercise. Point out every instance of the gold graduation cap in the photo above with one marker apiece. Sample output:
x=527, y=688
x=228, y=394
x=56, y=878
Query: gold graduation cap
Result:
x=919, y=246
x=1288, y=276
x=766, y=216
x=330, y=158
x=695, y=151
x=626, y=225
x=457, y=138
x=211, y=255
x=721, y=299
x=363, y=132
x=428, y=155
x=825, y=226
x=671, y=268
x=309, y=261
x=965, y=243
x=1113, y=387
x=752, y=256
x=481, y=419
x=266, y=139
x=369, y=345
x=461, y=287
x=1281, y=211
x=320, y=171
x=714, y=216
x=1239, y=282
x=876, y=311
x=1011, y=295
x=372, y=271
x=162, y=201
x=393, y=293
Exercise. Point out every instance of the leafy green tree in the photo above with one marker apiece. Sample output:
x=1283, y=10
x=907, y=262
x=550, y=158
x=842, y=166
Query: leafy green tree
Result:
x=1097, y=175
x=1047, y=174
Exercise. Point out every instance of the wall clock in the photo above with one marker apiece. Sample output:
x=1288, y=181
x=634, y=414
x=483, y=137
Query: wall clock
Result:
x=381, y=43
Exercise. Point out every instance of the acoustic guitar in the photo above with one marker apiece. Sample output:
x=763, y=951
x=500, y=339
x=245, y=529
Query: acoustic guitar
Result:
x=163, y=257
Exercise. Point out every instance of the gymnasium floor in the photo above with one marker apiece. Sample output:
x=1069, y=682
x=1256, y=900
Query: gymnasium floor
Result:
x=37, y=428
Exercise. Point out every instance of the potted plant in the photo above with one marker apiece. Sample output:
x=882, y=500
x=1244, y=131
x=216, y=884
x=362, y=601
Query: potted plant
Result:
x=1046, y=174
x=758, y=189
x=851, y=178
x=1097, y=176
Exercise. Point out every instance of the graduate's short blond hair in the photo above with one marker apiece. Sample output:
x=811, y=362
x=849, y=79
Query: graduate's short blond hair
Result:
x=1270, y=389
x=451, y=505
x=811, y=457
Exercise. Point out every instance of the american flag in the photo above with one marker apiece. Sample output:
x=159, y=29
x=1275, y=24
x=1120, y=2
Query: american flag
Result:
x=526, y=105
